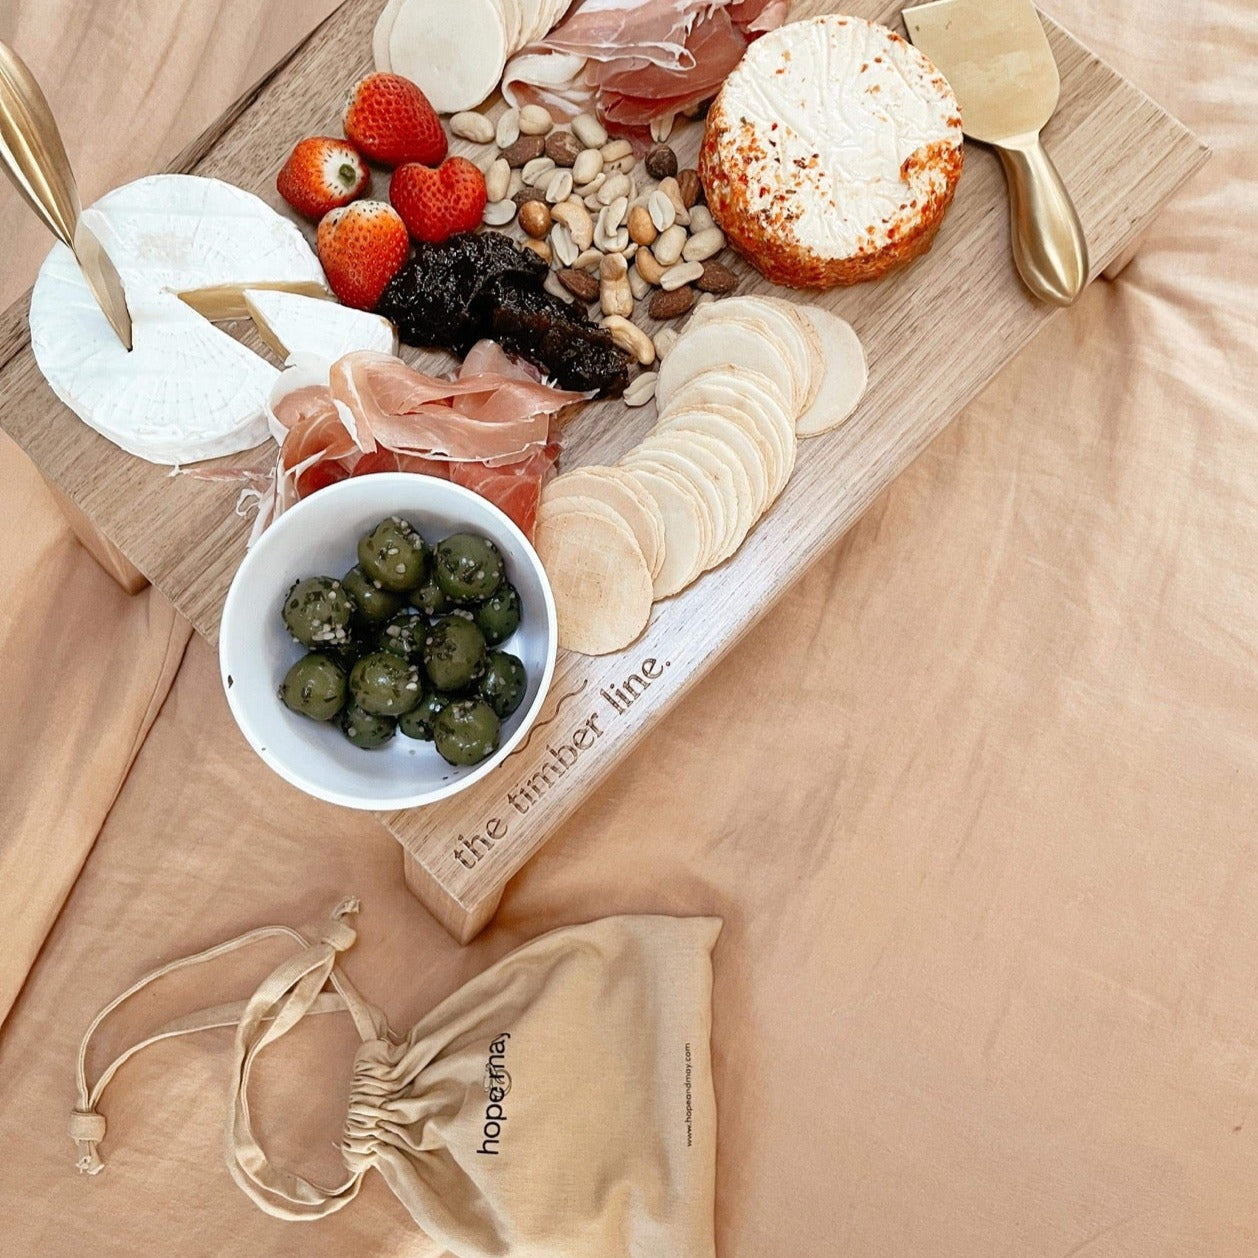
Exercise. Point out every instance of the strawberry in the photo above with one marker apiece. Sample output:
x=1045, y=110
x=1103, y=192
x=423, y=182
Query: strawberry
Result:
x=321, y=175
x=362, y=247
x=389, y=120
x=437, y=204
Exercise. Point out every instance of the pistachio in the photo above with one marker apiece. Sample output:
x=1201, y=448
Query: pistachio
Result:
x=716, y=278
x=590, y=131
x=508, y=130
x=535, y=218
x=661, y=162
x=678, y=276
x=642, y=230
x=580, y=284
x=469, y=125
x=563, y=148
x=631, y=338
x=617, y=150
x=523, y=151
x=535, y=120
x=587, y=167
x=576, y=218
x=498, y=179
x=707, y=244
x=642, y=390
x=499, y=213
x=671, y=305
x=668, y=247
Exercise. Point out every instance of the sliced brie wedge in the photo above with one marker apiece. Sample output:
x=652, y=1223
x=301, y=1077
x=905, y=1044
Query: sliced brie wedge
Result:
x=292, y=324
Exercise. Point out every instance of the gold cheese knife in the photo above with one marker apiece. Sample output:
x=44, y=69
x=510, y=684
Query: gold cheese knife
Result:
x=998, y=60
x=34, y=157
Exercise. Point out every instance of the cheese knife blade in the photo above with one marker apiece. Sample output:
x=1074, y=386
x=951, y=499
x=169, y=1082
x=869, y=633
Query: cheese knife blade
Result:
x=997, y=58
x=34, y=157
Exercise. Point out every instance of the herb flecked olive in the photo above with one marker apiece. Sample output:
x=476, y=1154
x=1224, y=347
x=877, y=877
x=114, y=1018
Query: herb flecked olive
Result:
x=429, y=598
x=373, y=603
x=404, y=635
x=468, y=567
x=317, y=612
x=504, y=683
x=498, y=617
x=365, y=730
x=454, y=653
x=394, y=554
x=315, y=687
x=384, y=684
x=466, y=732
x=418, y=722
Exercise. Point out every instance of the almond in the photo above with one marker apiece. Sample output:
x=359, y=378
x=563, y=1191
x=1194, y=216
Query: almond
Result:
x=524, y=150
x=672, y=305
x=563, y=148
x=580, y=283
x=691, y=187
x=716, y=278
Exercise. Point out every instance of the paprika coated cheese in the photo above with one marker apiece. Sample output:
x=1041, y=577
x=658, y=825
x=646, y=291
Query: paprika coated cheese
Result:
x=832, y=153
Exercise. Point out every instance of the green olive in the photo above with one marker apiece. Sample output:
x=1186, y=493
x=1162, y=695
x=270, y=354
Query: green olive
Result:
x=317, y=613
x=418, y=722
x=394, y=554
x=315, y=687
x=499, y=615
x=365, y=730
x=469, y=568
x=373, y=603
x=454, y=653
x=429, y=598
x=504, y=683
x=404, y=635
x=466, y=732
x=385, y=684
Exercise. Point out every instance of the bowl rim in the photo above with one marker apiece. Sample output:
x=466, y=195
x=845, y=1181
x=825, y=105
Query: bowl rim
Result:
x=233, y=608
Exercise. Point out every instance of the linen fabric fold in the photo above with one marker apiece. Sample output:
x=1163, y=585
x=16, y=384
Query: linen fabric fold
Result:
x=559, y=1104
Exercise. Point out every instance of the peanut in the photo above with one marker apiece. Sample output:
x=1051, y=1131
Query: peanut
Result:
x=469, y=125
x=590, y=131
x=642, y=230
x=535, y=218
x=614, y=292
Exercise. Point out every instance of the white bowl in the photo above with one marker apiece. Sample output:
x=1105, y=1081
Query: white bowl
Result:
x=319, y=537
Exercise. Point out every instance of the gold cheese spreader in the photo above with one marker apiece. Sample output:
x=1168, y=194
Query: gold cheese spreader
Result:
x=34, y=157
x=998, y=60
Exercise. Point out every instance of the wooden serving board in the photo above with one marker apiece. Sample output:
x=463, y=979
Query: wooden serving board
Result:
x=935, y=334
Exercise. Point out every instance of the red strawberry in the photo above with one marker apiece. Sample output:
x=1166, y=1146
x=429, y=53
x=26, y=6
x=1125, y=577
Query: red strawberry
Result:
x=362, y=247
x=321, y=175
x=389, y=120
x=437, y=204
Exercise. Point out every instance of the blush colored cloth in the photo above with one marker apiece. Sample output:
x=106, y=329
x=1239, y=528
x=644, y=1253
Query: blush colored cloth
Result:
x=976, y=802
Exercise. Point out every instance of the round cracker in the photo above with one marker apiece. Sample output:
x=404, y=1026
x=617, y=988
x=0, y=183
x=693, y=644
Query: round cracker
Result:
x=623, y=495
x=716, y=344
x=845, y=378
x=744, y=436
x=687, y=532
x=801, y=316
x=455, y=50
x=667, y=458
x=601, y=583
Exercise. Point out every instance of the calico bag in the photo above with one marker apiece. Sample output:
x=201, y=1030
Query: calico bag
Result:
x=560, y=1104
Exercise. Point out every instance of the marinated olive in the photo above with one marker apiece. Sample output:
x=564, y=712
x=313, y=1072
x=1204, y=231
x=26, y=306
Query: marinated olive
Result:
x=417, y=723
x=373, y=603
x=504, y=683
x=468, y=567
x=499, y=616
x=365, y=730
x=454, y=653
x=315, y=687
x=430, y=598
x=404, y=635
x=384, y=684
x=317, y=613
x=466, y=732
x=394, y=554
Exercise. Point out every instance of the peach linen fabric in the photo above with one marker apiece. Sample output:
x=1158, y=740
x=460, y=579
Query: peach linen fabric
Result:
x=977, y=802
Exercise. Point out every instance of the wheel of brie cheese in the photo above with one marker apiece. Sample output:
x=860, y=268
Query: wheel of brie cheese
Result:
x=832, y=153
x=186, y=249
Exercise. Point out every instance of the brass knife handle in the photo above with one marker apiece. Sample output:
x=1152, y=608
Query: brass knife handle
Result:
x=1049, y=247
x=32, y=151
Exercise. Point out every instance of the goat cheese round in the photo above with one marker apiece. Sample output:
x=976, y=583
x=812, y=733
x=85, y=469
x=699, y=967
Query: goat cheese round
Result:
x=832, y=153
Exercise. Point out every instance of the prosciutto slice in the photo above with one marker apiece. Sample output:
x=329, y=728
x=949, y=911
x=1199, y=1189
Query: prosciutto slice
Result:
x=491, y=428
x=638, y=60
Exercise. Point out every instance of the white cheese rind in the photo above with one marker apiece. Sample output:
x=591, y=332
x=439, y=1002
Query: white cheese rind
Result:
x=293, y=324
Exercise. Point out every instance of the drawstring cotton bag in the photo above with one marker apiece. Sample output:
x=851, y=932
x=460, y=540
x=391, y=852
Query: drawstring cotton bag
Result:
x=558, y=1105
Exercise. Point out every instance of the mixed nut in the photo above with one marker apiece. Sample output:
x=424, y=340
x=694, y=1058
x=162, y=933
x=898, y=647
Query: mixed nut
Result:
x=576, y=195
